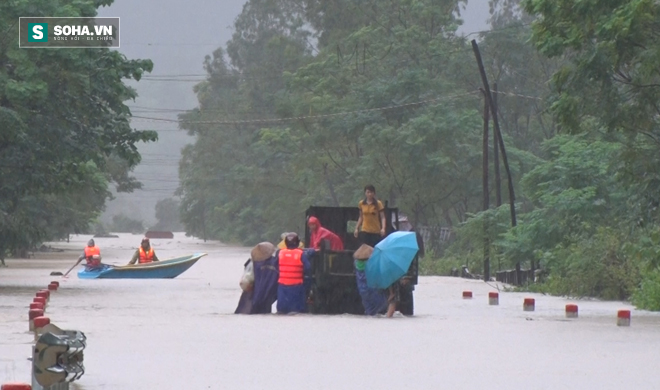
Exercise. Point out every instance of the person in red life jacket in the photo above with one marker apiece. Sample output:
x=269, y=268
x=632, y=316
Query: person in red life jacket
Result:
x=144, y=254
x=293, y=263
x=92, y=254
x=319, y=234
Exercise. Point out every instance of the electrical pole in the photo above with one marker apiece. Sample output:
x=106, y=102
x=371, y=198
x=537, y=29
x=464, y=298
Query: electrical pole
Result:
x=496, y=123
x=485, y=190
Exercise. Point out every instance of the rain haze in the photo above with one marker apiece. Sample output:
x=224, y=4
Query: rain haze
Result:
x=461, y=224
x=178, y=54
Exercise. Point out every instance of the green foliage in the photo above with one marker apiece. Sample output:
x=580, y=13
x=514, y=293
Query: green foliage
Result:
x=124, y=224
x=648, y=295
x=64, y=129
x=389, y=97
x=574, y=230
x=611, y=78
x=249, y=182
x=432, y=264
x=167, y=214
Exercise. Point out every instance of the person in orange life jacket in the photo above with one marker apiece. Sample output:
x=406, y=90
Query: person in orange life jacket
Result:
x=144, y=254
x=293, y=263
x=92, y=254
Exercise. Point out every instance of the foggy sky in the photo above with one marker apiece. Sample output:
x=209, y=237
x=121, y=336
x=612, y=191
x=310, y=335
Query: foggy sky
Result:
x=176, y=36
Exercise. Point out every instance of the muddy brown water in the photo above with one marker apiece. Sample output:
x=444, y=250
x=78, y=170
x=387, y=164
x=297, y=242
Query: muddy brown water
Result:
x=181, y=333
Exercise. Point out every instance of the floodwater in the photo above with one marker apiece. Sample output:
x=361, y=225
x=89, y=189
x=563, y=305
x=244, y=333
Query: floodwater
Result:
x=181, y=333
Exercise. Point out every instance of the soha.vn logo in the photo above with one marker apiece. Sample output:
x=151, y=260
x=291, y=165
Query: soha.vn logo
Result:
x=38, y=32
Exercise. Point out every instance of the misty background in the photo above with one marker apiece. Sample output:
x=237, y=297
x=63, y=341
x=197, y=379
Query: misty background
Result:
x=176, y=36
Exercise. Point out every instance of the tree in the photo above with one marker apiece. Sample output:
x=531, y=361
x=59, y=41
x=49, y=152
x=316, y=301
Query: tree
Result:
x=226, y=190
x=611, y=78
x=167, y=214
x=386, y=98
x=124, y=224
x=64, y=129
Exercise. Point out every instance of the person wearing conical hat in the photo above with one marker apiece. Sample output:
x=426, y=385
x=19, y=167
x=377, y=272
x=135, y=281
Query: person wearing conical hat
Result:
x=259, y=297
x=375, y=301
x=265, y=277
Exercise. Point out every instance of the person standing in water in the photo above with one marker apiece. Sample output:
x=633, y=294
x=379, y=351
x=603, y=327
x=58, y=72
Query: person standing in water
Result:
x=373, y=223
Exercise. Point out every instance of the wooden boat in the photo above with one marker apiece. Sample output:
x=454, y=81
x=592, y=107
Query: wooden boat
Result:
x=164, y=269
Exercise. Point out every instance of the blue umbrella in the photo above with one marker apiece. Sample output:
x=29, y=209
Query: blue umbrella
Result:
x=391, y=259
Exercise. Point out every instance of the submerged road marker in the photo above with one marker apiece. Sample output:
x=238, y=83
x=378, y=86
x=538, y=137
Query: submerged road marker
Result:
x=528, y=304
x=493, y=298
x=44, y=294
x=32, y=314
x=41, y=300
x=39, y=323
x=571, y=311
x=623, y=318
x=16, y=386
x=467, y=294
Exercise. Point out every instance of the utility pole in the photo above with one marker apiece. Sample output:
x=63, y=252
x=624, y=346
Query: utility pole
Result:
x=496, y=123
x=485, y=190
x=496, y=158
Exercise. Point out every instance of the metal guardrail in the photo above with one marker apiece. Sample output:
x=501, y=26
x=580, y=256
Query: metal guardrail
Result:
x=57, y=358
x=515, y=277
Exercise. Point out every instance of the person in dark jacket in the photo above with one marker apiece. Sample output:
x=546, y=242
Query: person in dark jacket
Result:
x=265, y=285
x=259, y=298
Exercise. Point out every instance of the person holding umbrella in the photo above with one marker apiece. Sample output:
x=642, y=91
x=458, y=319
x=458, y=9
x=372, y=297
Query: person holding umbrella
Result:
x=390, y=260
x=374, y=300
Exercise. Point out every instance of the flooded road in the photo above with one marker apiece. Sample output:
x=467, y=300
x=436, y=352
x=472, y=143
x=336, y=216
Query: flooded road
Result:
x=181, y=333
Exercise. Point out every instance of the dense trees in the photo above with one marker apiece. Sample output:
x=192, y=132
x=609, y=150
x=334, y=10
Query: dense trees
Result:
x=64, y=129
x=375, y=92
x=314, y=99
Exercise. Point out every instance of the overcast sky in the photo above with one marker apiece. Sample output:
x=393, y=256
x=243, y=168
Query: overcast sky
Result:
x=176, y=35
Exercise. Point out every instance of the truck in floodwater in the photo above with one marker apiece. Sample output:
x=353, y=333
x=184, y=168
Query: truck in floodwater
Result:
x=334, y=288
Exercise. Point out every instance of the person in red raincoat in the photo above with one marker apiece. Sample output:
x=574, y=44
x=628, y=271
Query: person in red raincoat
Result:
x=319, y=233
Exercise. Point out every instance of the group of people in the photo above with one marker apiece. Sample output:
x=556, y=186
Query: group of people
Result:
x=92, y=254
x=282, y=273
x=370, y=228
x=276, y=274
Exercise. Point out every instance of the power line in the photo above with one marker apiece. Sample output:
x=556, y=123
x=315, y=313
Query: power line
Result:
x=305, y=117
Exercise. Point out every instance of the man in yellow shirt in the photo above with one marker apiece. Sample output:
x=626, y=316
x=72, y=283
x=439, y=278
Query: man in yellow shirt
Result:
x=372, y=218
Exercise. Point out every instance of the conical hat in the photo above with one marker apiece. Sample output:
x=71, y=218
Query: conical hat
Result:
x=262, y=251
x=363, y=252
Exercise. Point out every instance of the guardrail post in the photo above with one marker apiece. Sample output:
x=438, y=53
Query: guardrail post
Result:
x=57, y=358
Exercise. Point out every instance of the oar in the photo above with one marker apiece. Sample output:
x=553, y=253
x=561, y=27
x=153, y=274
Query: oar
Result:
x=74, y=266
